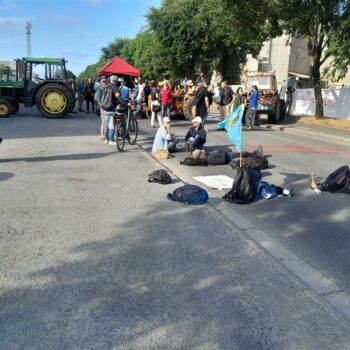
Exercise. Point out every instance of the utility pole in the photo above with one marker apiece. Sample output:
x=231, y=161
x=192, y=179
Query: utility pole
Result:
x=28, y=27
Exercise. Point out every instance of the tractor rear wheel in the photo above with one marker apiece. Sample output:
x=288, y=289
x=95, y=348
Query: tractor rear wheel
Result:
x=54, y=100
x=5, y=109
x=189, y=109
x=274, y=117
x=14, y=107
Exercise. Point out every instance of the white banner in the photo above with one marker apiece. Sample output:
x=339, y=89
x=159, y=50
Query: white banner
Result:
x=336, y=102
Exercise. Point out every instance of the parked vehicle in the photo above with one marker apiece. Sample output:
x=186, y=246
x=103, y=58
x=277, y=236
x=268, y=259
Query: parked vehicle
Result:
x=37, y=81
x=269, y=102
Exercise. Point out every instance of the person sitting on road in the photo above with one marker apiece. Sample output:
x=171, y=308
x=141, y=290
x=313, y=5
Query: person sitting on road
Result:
x=196, y=138
x=164, y=139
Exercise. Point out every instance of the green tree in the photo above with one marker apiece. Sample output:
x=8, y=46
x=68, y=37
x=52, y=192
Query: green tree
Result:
x=114, y=48
x=70, y=74
x=92, y=70
x=203, y=35
x=326, y=26
x=146, y=53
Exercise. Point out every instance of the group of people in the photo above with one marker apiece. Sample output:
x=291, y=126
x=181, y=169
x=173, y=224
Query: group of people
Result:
x=160, y=95
x=229, y=101
x=196, y=136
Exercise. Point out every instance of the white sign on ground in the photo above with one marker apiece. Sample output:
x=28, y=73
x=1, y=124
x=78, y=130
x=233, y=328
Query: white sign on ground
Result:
x=219, y=182
x=336, y=102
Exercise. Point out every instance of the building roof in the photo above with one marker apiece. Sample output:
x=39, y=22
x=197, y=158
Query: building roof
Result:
x=117, y=66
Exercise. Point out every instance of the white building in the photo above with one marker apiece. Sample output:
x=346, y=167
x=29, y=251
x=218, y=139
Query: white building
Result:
x=285, y=56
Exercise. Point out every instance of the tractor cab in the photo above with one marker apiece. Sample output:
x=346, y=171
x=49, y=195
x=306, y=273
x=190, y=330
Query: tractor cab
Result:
x=38, y=81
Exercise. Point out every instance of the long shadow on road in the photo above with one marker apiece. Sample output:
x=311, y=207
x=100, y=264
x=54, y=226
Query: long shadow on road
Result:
x=156, y=284
x=78, y=156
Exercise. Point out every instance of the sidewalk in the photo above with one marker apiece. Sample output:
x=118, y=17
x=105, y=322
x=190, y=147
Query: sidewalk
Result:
x=327, y=132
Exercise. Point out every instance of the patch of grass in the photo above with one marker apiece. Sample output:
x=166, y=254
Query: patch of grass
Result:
x=323, y=121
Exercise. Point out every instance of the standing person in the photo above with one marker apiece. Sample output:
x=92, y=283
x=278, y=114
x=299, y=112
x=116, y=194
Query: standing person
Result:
x=196, y=138
x=164, y=140
x=252, y=108
x=225, y=99
x=289, y=99
x=166, y=99
x=98, y=97
x=237, y=101
x=140, y=98
x=190, y=90
x=147, y=91
x=110, y=93
x=89, y=96
x=124, y=92
x=155, y=106
x=73, y=87
x=202, y=102
x=80, y=90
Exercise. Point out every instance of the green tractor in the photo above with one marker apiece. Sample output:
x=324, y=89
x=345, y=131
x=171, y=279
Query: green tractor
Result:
x=36, y=81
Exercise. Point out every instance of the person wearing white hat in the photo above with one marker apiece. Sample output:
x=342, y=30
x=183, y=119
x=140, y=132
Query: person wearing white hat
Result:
x=164, y=139
x=195, y=138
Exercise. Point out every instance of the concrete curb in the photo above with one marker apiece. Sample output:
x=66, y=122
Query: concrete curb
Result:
x=317, y=284
x=300, y=130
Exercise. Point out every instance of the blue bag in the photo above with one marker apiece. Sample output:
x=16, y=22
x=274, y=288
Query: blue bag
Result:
x=190, y=194
x=265, y=190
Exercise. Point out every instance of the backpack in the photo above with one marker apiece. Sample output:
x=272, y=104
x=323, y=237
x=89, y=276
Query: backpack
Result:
x=194, y=162
x=337, y=182
x=244, y=187
x=190, y=194
x=160, y=176
x=107, y=99
x=265, y=190
x=253, y=162
x=217, y=157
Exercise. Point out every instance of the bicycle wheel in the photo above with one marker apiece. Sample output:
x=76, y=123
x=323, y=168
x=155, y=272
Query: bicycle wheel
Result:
x=133, y=131
x=120, y=134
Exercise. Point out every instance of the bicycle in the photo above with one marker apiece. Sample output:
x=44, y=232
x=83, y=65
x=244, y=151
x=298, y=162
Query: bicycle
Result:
x=126, y=126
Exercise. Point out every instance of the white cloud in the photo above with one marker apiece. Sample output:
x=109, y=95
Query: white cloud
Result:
x=60, y=19
x=7, y=4
x=10, y=25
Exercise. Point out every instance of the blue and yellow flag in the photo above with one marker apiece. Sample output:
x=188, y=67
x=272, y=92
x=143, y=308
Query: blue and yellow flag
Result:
x=233, y=125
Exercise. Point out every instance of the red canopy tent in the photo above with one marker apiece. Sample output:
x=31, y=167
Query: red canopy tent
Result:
x=117, y=66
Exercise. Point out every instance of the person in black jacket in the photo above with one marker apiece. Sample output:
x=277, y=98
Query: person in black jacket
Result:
x=196, y=138
x=89, y=96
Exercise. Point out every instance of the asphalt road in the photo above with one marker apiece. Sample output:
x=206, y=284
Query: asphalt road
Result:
x=94, y=257
x=314, y=227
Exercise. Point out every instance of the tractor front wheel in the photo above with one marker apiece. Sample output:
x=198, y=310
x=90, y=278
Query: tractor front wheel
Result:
x=54, y=100
x=5, y=109
x=189, y=109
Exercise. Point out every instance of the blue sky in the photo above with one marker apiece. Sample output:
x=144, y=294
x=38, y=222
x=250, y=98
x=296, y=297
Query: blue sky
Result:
x=73, y=29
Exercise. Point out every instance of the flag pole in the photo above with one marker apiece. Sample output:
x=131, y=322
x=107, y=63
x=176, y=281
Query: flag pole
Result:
x=240, y=153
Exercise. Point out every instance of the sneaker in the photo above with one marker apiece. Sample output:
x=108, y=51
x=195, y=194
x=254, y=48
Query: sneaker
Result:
x=106, y=142
x=112, y=143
